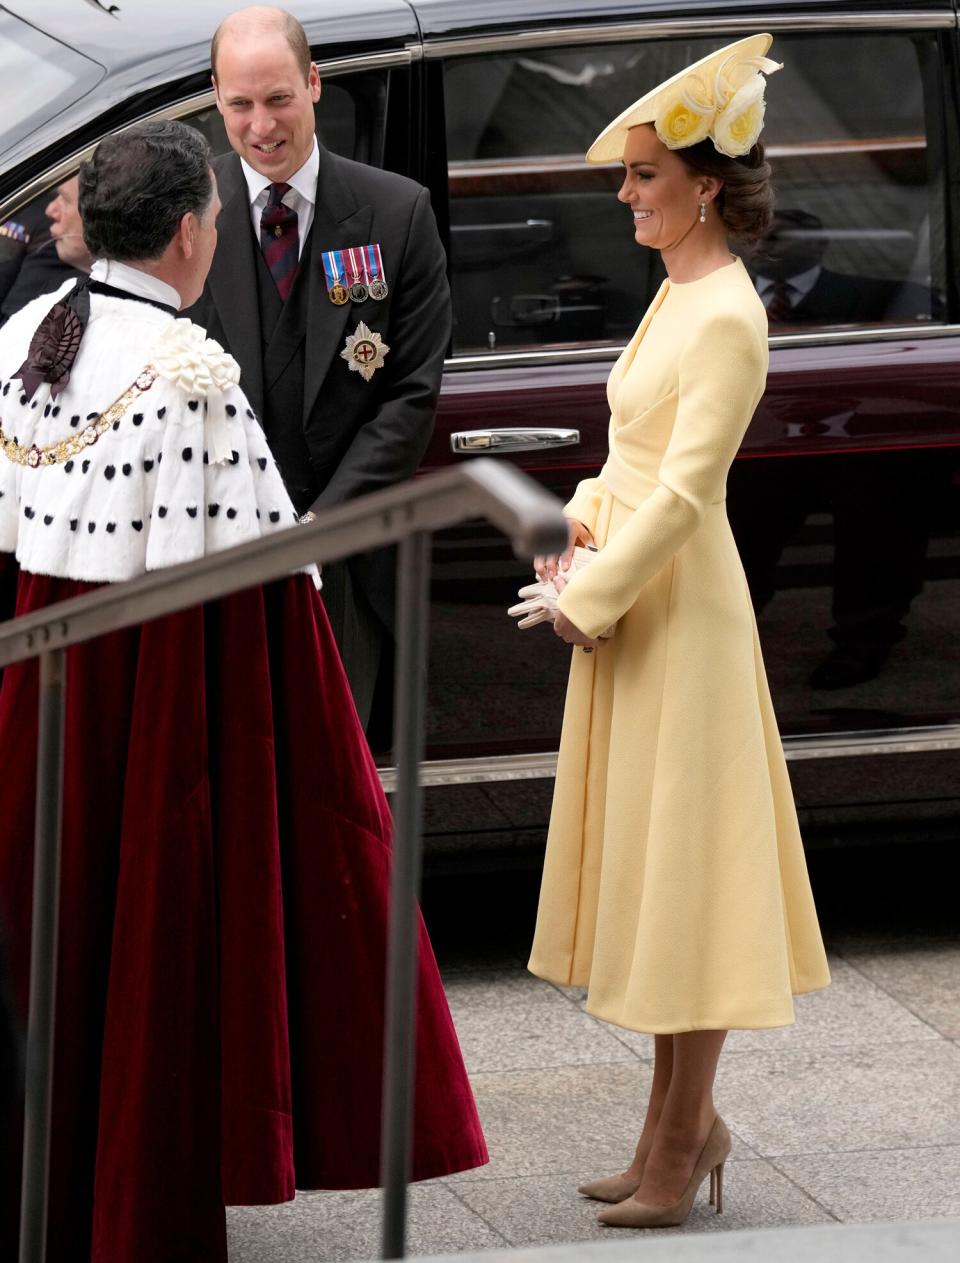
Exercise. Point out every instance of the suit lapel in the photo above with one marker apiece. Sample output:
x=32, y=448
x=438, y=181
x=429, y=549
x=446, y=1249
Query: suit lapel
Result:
x=338, y=222
x=233, y=279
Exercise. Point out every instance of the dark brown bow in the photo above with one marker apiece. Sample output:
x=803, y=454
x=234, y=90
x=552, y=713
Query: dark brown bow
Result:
x=54, y=346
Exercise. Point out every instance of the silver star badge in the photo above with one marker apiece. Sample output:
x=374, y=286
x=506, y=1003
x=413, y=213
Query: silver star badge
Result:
x=364, y=351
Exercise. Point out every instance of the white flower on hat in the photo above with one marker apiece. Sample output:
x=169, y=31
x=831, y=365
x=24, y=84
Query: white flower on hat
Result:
x=738, y=125
x=687, y=114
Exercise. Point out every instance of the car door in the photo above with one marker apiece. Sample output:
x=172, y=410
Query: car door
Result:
x=845, y=495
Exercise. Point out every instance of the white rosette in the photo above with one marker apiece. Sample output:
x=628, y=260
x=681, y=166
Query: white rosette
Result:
x=739, y=87
x=201, y=368
x=738, y=125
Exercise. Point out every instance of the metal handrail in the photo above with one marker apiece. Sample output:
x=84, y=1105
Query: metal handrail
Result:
x=408, y=515
x=485, y=488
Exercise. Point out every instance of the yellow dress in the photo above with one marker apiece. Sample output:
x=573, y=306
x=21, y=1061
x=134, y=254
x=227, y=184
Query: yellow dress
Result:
x=675, y=886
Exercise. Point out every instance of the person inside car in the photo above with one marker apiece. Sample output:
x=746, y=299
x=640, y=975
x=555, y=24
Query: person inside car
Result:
x=57, y=255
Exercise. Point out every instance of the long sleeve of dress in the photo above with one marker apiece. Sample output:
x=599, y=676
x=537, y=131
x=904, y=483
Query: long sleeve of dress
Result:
x=584, y=504
x=721, y=378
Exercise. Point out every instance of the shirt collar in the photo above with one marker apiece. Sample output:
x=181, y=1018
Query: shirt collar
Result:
x=801, y=284
x=303, y=181
x=134, y=281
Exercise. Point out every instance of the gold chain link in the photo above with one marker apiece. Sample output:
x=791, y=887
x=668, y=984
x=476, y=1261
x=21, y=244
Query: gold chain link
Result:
x=56, y=453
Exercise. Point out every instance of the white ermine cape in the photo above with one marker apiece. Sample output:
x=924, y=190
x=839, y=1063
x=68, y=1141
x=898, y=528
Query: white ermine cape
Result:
x=183, y=470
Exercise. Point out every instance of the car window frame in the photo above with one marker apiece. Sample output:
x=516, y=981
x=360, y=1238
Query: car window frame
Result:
x=543, y=36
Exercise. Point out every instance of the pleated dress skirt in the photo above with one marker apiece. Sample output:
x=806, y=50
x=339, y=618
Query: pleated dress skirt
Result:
x=675, y=887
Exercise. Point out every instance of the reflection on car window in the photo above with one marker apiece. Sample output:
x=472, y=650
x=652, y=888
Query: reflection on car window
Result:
x=543, y=254
x=39, y=76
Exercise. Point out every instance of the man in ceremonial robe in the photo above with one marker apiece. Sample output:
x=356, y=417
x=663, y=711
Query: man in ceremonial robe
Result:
x=329, y=287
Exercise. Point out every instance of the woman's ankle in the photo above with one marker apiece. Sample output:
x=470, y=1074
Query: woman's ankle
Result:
x=680, y=1127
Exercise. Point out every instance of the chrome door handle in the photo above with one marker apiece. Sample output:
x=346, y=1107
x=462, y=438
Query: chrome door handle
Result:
x=501, y=441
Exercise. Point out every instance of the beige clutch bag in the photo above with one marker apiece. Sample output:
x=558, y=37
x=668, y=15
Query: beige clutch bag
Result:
x=538, y=601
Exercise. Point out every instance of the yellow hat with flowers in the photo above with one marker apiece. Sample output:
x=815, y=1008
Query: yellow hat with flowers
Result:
x=720, y=97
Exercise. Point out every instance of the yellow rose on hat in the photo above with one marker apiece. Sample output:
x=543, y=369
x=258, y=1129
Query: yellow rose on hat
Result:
x=737, y=126
x=679, y=126
x=686, y=115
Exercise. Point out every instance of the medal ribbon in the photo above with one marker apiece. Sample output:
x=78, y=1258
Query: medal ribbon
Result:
x=373, y=262
x=332, y=260
x=354, y=258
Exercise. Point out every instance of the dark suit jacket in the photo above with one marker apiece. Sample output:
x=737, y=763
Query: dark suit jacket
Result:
x=40, y=272
x=837, y=298
x=360, y=435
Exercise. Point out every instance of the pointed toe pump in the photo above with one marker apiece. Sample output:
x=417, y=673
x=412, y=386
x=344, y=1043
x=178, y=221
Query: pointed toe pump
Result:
x=633, y=1214
x=613, y=1188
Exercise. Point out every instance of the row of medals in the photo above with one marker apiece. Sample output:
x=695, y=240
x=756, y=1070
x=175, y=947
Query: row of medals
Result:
x=358, y=292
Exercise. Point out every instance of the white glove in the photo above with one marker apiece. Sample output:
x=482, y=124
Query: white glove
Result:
x=538, y=602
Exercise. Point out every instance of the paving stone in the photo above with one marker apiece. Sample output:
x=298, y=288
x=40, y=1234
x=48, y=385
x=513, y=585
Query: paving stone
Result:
x=578, y=1118
x=546, y=1210
x=923, y=975
x=935, y=1241
x=897, y=1096
x=890, y=1184
x=337, y=1226
x=511, y=1021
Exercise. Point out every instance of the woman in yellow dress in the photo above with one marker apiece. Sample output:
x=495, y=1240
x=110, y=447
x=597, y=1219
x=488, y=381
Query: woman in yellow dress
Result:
x=675, y=886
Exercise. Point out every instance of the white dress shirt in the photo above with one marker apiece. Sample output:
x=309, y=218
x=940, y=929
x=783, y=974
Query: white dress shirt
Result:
x=300, y=197
x=123, y=276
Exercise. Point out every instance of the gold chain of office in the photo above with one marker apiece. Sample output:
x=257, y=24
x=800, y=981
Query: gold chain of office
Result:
x=57, y=453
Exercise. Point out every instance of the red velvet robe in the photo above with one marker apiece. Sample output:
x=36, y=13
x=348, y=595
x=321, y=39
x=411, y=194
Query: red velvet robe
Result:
x=223, y=918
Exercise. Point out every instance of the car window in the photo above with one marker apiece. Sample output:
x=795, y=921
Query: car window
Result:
x=40, y=77
x=542, y=254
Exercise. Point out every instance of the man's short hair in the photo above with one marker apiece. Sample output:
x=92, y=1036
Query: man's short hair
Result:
x=289, y=28
x=138, y=186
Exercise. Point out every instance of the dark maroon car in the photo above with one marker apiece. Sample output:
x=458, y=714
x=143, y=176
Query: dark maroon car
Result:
x=846, y=495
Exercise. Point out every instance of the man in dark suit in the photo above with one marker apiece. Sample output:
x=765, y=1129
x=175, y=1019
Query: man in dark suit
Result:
x=796, y=288
x=46, y=255
x=329, y=287
x=879, y=508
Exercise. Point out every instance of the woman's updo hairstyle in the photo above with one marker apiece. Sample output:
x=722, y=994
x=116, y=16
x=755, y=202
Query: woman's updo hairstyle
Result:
x=745, y=203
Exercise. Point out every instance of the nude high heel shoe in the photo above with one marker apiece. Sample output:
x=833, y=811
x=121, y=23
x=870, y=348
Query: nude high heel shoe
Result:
x=612, y=1188
x=633, y=1214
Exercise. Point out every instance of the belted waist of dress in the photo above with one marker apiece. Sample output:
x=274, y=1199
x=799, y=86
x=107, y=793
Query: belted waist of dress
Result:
x=630, y=486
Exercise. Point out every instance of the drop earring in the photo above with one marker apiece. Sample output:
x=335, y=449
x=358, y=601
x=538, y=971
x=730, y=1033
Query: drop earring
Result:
x=703, y=212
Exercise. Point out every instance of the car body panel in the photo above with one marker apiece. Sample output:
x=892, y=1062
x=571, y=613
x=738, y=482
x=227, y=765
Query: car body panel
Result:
x=452, y=19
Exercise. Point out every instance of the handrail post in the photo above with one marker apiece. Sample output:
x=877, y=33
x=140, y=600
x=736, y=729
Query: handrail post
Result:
x=399, y=1055
x=43, y=959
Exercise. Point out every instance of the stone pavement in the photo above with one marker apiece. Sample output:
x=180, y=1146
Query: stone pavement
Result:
x=851, y=1115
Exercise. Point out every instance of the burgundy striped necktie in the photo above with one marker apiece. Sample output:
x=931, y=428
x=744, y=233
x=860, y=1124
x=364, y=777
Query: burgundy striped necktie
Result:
x=279, y=240
x=779, y=301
